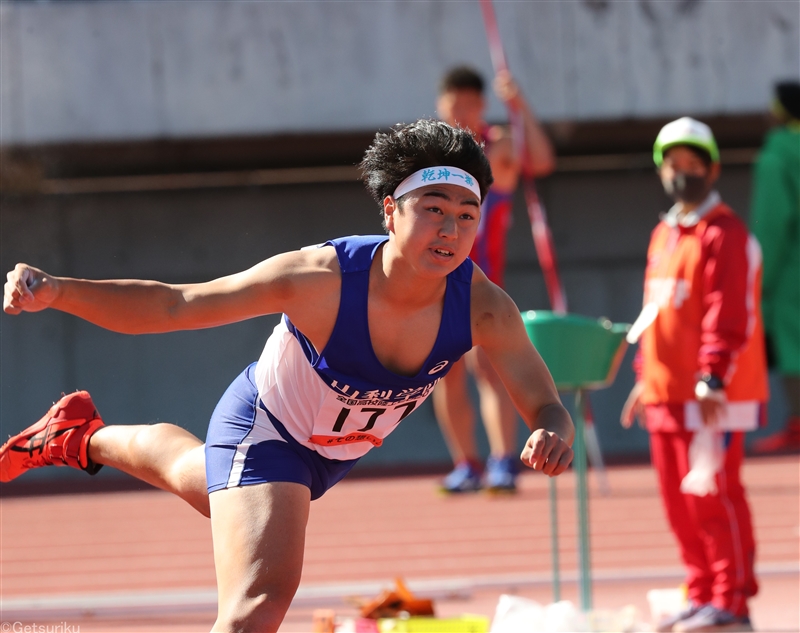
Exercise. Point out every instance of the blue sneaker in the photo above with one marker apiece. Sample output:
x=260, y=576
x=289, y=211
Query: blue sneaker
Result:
x=464, y=478
x=711, y=618
x=501, y=475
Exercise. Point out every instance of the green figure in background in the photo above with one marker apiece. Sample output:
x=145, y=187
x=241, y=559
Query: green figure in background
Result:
x=775, y=221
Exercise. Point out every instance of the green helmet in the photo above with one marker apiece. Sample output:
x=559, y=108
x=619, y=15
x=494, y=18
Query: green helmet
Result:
x=685, y=131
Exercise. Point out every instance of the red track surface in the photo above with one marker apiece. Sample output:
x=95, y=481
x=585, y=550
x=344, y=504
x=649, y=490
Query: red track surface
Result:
x=142, y=561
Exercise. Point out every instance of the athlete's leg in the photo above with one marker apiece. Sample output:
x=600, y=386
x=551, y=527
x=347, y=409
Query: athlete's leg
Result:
x=73, y=434
x=163, y=455
x=259, y=537
x=497, y=409
x=453, y=408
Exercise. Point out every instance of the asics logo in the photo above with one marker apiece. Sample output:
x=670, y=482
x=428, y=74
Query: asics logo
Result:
x=438, y=367
x=37, y=443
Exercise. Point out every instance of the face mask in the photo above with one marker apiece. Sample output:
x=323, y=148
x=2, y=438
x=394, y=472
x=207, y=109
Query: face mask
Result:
x=687, y=188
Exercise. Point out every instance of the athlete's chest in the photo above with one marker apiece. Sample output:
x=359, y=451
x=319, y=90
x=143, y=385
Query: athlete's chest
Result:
x=403, y=339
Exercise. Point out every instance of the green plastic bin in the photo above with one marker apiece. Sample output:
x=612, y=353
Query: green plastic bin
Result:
x=580, y=352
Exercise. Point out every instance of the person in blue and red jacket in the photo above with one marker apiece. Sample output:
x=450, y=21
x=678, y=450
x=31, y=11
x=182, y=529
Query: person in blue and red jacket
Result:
x=701, y=364
x=461, y=102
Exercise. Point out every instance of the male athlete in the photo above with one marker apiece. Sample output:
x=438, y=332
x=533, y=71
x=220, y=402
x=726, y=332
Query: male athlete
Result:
x=461, y=102
x=370, y=324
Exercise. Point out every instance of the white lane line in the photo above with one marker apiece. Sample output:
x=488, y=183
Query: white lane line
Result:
x=166, y=601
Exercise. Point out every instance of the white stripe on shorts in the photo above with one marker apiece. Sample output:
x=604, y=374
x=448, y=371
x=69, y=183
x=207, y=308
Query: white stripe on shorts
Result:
x=261, y=431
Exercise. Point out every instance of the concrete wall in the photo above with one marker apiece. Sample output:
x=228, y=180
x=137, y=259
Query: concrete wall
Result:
x=601, y=223
x=130, y=70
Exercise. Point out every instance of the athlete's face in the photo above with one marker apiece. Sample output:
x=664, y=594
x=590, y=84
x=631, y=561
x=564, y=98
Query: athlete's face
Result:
x=434, y=226
x=462, y=108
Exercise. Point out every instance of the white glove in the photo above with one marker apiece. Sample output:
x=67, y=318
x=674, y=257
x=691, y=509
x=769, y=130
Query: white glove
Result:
x=706, y=455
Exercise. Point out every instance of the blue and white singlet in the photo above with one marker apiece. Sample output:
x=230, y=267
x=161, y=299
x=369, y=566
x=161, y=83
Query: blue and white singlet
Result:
x=342, y=401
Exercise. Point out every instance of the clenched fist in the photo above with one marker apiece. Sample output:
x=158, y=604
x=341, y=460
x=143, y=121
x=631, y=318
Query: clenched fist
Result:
x=547, y=452
x=28, y=289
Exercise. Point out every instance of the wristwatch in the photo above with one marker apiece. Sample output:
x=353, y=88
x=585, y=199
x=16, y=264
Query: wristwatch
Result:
x=708, y=385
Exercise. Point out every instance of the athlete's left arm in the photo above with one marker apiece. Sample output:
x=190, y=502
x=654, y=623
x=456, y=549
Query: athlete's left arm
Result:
x=497, y=327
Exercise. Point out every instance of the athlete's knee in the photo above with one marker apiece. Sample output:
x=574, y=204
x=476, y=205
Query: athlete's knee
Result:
x=149, y=438
x=174, y=456
x=141, y=444
x=188, y=478
x=262, y=613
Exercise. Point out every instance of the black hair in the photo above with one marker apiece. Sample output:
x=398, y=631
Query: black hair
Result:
x=407, y=148
x=788, y=95
x=461, y=78
x=698, y=151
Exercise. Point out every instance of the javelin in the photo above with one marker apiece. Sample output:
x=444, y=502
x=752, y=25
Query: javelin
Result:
x=542, y=237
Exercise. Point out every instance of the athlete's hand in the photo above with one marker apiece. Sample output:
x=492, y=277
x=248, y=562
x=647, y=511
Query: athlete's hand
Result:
x=547, y=452
x=28, y=289
x=633, y=407
x=507, y=89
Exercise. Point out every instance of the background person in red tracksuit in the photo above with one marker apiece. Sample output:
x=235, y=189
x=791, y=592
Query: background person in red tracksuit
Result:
x=461, y=102
x=701, y=365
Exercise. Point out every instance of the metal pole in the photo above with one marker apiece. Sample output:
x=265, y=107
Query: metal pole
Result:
x=554, y=540
x=581, y=490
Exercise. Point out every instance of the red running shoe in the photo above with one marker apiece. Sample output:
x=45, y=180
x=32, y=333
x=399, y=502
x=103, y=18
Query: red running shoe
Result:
x=60, y=438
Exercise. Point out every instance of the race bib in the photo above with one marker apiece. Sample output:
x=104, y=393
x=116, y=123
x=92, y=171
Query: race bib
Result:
x=347, y=418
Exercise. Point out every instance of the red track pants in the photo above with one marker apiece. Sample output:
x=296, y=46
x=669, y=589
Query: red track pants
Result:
x=715, y=532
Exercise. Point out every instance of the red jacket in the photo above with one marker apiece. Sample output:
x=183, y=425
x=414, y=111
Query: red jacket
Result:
x=705, y=276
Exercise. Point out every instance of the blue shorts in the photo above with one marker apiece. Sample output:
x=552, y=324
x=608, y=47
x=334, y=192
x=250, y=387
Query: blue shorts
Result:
x=247, y=445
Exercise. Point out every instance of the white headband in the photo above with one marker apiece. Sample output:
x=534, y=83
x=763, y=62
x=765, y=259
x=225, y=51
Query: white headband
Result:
x=437, y=176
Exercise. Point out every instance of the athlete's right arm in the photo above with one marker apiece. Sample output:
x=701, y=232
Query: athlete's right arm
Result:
x=134, y=306
x=540, y=157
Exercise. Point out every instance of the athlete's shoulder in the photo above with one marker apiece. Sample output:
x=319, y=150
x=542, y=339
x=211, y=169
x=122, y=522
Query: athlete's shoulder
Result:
x=483, y=289
x=354, y=253
x=310, y=283
x=320, y=259
x=490, y=305
x=296, y=275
